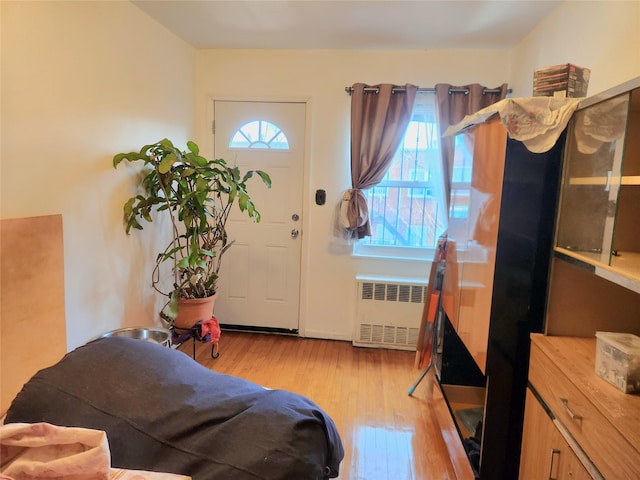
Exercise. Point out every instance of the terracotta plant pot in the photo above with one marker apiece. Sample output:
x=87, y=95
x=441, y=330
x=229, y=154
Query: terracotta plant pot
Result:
x=192, y=310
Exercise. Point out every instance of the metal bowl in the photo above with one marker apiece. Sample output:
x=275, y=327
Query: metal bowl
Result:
x=150, y=334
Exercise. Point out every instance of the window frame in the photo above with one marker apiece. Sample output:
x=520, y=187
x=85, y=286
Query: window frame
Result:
x=425, y=113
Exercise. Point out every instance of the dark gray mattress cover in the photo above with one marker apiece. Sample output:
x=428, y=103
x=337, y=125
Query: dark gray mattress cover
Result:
x=162, y=411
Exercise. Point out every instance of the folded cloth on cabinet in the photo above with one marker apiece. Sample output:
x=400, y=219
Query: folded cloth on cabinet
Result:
x=537, y=122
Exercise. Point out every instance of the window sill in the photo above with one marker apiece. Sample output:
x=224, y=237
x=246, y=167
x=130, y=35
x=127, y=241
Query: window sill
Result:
x=425, y=255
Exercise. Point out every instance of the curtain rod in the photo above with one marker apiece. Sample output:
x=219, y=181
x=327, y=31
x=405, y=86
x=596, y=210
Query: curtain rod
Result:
x=349, y=90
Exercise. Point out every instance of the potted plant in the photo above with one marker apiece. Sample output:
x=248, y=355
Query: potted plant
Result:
x=197, y=195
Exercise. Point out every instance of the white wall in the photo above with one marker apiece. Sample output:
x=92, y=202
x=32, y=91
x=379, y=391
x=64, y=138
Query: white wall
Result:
x=328, y=273
x=603, y=36
x=82, y=81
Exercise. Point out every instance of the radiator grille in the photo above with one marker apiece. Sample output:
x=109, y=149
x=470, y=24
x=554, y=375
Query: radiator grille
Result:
x=392, y=292
x=388, y=314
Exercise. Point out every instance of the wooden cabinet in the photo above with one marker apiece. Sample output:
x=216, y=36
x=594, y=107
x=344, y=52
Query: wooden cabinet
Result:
x=499, y=246
x=601, y=422
x=545, y=453
x=560, y=256
x=594, y=286
x=595, y=276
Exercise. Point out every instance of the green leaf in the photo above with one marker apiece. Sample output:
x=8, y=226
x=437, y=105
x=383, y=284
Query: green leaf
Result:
x=183, y=263
x=232, y=193
x=195, y=159
x=191, y=158
x=204, y=225
x=195, y=247
x=128, y=206
x=146, y=148
x=130, y=157
x=265, y=178
x=242, y=201
x=165, y=142
x=202, y=184
x=210, y=281
x=172, y=306
x=167, y=162
x=193, y=258
x=145, y=214
x=170, y=253
x=193, y=147
x=187, y=217
x=132, y=223
x=118, y=158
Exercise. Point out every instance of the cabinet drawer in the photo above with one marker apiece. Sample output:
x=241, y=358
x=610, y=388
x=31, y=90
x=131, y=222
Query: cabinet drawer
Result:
x=544, y=450
x=609, y=451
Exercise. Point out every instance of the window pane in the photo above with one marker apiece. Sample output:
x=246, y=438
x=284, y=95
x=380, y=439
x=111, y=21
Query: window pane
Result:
x=404, y=217
x=259, y=134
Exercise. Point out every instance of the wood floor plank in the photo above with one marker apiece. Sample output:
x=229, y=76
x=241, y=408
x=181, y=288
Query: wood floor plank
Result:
x=387, y=434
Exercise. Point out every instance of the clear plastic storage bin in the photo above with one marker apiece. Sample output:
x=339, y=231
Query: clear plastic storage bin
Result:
x=618, y=360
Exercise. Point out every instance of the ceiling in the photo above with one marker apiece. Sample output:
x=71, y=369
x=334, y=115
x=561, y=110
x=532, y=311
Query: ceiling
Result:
x=350, y=25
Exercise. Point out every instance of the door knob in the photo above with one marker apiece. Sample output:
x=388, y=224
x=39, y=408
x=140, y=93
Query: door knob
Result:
x=294, y=233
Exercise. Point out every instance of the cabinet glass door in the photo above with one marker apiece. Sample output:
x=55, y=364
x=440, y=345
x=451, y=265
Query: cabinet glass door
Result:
x=592, y=179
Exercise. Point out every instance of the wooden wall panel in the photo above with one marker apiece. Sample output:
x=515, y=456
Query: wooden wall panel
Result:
x=32, y=315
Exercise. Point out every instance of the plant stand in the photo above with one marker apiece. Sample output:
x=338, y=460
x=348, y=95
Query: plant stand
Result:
x=181, y=335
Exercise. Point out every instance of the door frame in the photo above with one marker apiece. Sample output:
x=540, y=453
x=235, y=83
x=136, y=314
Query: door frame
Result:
x=208, y=137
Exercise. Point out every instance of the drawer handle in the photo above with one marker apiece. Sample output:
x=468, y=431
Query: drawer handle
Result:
x=573, y=416
x=554, y=452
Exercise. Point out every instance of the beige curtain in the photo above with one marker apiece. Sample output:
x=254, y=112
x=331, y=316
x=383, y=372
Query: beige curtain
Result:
x=379, y=118
x=453, y=106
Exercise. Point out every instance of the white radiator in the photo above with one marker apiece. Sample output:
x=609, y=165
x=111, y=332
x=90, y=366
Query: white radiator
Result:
x=388, y=312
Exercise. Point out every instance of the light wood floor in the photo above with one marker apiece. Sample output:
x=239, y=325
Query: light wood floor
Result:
x=387, y=434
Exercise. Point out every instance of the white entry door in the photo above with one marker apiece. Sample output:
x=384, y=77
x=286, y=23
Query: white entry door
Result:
x=259, y=284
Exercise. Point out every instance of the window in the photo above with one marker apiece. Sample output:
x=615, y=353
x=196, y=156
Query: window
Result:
x=407, y=208
x=259, y=134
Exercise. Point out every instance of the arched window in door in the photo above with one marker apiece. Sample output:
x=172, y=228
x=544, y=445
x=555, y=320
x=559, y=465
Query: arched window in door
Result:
x=259, y=134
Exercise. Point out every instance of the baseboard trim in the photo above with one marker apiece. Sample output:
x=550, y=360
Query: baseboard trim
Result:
x=248, y=328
